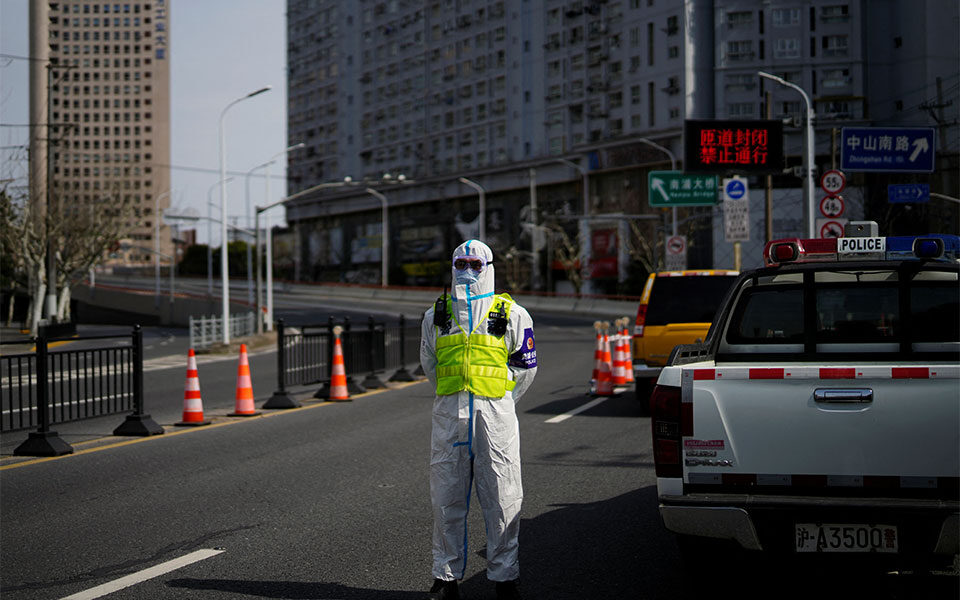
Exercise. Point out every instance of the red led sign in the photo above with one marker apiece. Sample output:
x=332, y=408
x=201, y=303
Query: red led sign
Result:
x=733, y=146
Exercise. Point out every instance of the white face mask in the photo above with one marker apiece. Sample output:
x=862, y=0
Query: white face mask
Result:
x=467, y=276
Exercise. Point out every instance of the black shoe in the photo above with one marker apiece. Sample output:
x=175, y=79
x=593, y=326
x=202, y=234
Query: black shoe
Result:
x=444, y=590
x=508, y=590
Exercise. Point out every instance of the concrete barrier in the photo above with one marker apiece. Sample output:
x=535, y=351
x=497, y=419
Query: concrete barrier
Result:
x=117, y=304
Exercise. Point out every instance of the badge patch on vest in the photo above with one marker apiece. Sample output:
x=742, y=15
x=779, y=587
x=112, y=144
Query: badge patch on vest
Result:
x=526, y=357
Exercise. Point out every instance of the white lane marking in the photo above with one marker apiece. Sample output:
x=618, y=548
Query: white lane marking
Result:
x=141, y=576
x=578, y=410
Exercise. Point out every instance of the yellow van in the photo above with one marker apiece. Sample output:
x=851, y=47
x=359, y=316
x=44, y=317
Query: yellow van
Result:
x=676, y=307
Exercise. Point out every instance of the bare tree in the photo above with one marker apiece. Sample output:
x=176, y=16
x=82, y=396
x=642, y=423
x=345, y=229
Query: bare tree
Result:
x=80, y=235
x=640, y=247
x=516, y=271
x=23, y=238
x=567, y=253
x=84, y=234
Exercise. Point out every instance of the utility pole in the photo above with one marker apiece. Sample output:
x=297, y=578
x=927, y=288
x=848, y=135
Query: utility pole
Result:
x=39, y=16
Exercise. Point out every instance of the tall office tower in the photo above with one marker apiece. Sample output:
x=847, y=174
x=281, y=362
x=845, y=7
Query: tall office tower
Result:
x=110, y=97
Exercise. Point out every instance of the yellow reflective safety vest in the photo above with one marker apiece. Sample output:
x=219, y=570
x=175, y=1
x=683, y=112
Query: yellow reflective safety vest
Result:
x=476, y=362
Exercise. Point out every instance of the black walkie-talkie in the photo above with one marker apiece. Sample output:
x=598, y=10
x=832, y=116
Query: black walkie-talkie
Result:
x=497, y=321
x=441, y=318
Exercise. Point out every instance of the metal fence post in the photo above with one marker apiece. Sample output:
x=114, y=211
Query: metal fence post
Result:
x=349, y=356
x=402, y=374
x=323, y=393
x=371, y=381
x=139, y=423
x=281, y=397
x=43, y=442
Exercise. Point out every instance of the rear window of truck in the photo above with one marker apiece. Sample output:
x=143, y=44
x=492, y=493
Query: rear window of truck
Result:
x=848, y=313
x=688, y=299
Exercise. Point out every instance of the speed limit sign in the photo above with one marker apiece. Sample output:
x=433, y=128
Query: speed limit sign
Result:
x=833, y=182
x=831, y=206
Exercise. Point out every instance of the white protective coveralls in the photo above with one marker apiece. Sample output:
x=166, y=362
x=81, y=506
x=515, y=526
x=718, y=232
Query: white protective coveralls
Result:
x=477, y=437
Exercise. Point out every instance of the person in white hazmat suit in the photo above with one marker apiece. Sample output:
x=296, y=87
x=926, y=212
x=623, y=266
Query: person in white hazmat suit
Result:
x=478, y=350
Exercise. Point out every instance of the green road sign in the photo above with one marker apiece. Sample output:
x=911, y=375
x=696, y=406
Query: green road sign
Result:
x=676, y=188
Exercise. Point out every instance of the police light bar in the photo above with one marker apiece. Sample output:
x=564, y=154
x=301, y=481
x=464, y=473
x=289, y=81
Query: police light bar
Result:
x=796, y=250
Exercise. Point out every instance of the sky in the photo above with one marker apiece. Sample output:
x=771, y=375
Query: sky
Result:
x=220, y=50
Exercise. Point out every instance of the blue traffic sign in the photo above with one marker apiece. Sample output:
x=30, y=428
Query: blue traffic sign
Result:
x=903, y=149
x=909, y=192
x=735, y=189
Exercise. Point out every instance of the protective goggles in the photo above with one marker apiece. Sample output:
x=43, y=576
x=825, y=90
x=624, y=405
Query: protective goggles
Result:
x=463, y=262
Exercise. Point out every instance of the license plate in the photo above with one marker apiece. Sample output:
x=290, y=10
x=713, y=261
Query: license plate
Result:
x=845, y=537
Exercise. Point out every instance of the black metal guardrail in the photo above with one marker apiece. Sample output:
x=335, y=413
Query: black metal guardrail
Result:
x=305, y=356
x=43, y=387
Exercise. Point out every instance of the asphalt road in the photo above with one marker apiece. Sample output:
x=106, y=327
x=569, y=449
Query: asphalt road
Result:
x=332, y=501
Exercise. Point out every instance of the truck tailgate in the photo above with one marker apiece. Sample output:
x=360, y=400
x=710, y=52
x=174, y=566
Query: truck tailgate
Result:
x=807, y=426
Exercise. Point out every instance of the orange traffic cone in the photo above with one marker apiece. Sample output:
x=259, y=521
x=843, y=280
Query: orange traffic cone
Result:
x=338, y=375
x=619, y=376
x=597, y=357
x=244, y=398
x=605, y=376
x=628, y=348
x=192, y=403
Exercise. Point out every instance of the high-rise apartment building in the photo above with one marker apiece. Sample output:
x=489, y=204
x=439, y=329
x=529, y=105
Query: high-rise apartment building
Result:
x=109, y=96
x=444, y=86
x=488, y=89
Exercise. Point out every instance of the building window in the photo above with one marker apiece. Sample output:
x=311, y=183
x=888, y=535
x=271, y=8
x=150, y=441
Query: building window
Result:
x=836, y=78
x=650, y=44
x=740, y=81
x=740, y=109
x=786, y=17
x=786, y=48
x=651, y=113
x=740, y=50
x=791, y=109
x=835, y=45
x=673, y=25
x=835, y=14
x=739, y=18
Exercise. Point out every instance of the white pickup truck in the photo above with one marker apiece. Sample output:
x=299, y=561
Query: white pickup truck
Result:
x=822, y=412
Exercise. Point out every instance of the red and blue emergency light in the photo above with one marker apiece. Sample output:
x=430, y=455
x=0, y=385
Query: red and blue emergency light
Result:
x=936, y=246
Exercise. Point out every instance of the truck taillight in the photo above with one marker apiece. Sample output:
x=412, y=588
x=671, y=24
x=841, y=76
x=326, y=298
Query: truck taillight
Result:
x=641, y=320
x=665, y=420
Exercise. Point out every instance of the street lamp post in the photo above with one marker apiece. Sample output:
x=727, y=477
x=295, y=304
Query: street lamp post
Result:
x=483, y=205
x=224, y=265
x=259, y=292
x=385, y=235
x=210, y=235
x=269, y=243
x=156, y=246
x=673, y=167
x=811, y=117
